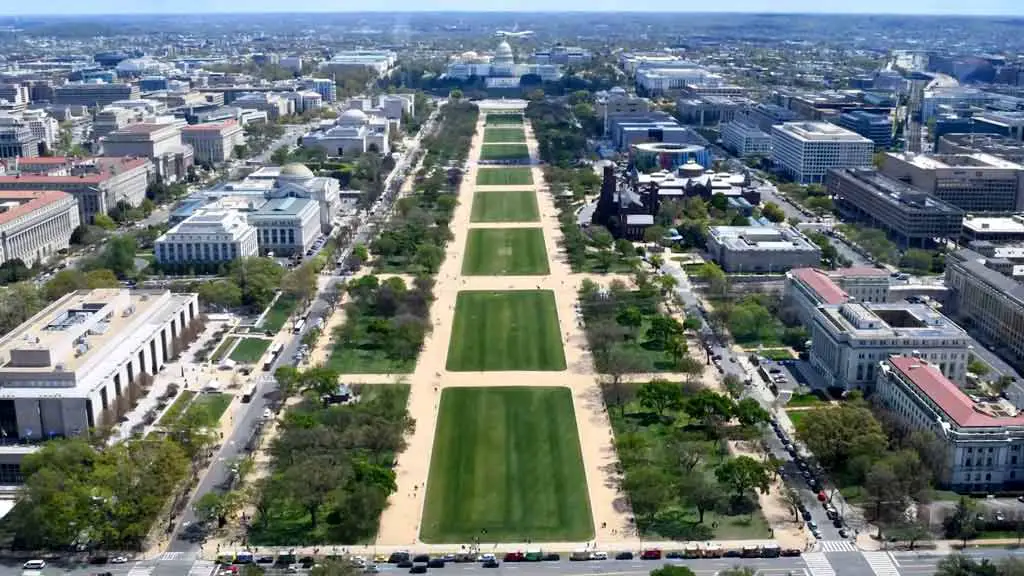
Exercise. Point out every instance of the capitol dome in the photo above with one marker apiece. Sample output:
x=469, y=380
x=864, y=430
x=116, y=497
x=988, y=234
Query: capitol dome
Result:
x=295, y=171
x=353, y=116
x=504, y=52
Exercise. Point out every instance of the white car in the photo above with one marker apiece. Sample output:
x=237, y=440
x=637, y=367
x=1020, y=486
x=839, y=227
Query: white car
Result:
x=34, y=565
x=598, y=555
x=267, y=414
x=119, y=560
x=485, y=557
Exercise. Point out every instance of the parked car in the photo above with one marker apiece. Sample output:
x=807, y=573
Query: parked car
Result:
x=514, y=557
x=421, y=558
x=418, y=569
x=435, y=563
x=34, y=565
x=405, y=564
x=552, y=557
x=651, y=554
x=624, y=556
x=492, y=563
x=598, y=555
x=789, y=552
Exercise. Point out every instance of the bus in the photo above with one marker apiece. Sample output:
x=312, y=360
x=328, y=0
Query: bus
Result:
x=299, y=325
x=275, y=349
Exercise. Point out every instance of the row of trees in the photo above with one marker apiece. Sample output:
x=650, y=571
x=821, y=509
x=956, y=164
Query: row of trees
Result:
x=386, y=318
x=560, y=140
x=332, y=468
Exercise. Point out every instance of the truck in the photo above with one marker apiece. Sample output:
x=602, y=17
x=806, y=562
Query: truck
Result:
x=579, y=554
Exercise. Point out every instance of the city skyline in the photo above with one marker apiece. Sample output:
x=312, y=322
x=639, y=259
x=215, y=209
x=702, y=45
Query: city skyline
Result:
x=917, y=7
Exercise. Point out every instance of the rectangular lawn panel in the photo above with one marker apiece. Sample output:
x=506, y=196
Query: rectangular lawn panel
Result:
x=505, y=330
x=503, y=119
x=505, y=207
x=504, y=177
x=508, y=461
x=505, y=252
x=249, y=350
x=504, y=152
x=504, y=135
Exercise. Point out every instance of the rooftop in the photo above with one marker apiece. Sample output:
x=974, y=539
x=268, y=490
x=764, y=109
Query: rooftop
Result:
x=17, y=203
x=93, y=171
x=828, y=291
x=283, y=206
x=892, y=319
x=819, y=132
x=951, y=400
x=937, y=161
x=898, y=193
x=210, y=127
x=1004, y=224
x=776, y=238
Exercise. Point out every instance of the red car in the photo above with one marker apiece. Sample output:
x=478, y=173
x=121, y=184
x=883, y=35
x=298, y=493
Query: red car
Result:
x=514, y=557
x=651, y=554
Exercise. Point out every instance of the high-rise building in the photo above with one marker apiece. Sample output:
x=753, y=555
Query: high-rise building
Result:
x=971, y=182
x=805, y=151
x=94, y=94
x=875, y=127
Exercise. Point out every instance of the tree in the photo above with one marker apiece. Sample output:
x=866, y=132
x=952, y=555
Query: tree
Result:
x=772, y=212
x=791, y=498
x=917, y=260
x=119, y=255
x=655, y=234
x=105, y=222
x=709, y=408
x=429, y=256
x=750, y=413
x=101, y=278
x=455, y=94
x=677, y=349
x=960, y=565
x=672, y=570
x=911, y=533
x=630, y=317
x=649, y=487
x=288, y=379
x=701, y=493
x=615, y=364
x=660, y=395
x=662, y=329
x=841, y=435
x=743, y=474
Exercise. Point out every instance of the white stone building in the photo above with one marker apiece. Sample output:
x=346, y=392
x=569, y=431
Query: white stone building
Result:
x=286, y=226
x=499, y=70
x=746, y=140
x=805, y=151
x=34, y=225
x=161, y=143
x=353, y=133
x=213, y=143
x=210, y=235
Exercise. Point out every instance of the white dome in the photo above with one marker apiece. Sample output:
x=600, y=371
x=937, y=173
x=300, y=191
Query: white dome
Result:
x=353, y=116
x=504, y=51
x=295, y=171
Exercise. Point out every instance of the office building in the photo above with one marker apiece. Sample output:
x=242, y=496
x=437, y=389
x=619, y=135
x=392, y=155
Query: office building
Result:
x=15, y=93
x=938, y=97
x=625, y=130
x=17, y=138
x=209, y=236
x=98, y=184
x=764, y=116
x=649, y=157
x=998, y=146
x=972, y=182
x=618, y=101
x=286, y=226
x=911, y=216
x=323, y=86
x=986, y=295
x=35, y=224
x=759, y=249
x=80, y=362
x=874, y=127
x=848, y=341
x=746, y=140
x=656, y=80
x=213, y=143
x=275, y=105
x=161, y=143
x=983, y=438
x=94, y=94
x=564, y=55
x=293, y=63
x=805, y=151
x=710, y=110
x=994, y=229
x=379, y=61
x=807, y=288
x=304, y=101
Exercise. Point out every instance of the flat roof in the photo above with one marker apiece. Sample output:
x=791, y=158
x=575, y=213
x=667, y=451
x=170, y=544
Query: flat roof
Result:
x=998, y=224
x=947, y=395
x=935, y=161
x=287, y=206
x=898, y=193
x=105, y=170
x=820, y=132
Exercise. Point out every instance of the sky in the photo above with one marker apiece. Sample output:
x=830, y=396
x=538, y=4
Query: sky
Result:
x=65, y=7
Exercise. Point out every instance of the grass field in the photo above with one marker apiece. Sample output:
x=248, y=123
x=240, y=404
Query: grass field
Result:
x=505, y=252
x=508, y=461
x=505, y=207
x=348, y=360
x=278, y=314
x=208, y=408
x=503, y=119
x=223, y=348
x=249, y=350
x=504, y=152
x=176, y=407
x=504, y=177
x=505, y=330
x=504, y=135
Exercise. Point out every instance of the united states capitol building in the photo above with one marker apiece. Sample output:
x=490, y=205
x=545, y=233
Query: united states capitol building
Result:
x=499, y=70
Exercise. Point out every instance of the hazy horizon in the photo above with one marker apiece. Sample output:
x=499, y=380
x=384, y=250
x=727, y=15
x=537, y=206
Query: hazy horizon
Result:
x=865, y=7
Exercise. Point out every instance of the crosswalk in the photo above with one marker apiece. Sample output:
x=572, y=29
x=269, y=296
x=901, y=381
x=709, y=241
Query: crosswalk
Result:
x=169, y=556
x=818, y=564
x=837, y=546
x=881, y=563
x=141, y=570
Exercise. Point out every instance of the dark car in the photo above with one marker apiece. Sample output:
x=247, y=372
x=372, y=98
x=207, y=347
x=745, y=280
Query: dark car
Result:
x=397, y=557
x=405, y=563
x=435, y=563
x=421, y=558
x=418, y=569
x=651, y=554
x=837, y=522
x=553, y=557
x=788, y=552
x=514, y=557
x=465, y=558
x=307, y=562
x=806, y=514
x=98, y=560
x=492, y=563
x=733, y=554
x=285, y=560
x=624, y=556
x=265, y=559
x=674, y=554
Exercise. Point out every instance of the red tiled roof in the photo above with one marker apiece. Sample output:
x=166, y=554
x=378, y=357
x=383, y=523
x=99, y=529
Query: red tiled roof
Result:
x=861, y=271
x=30, y=200
x=212, y=126
x=55, y=160
x=827, y=290
x=947, y=395
x=104, y=163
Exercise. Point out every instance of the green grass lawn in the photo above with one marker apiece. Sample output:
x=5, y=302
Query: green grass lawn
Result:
x=504, y=177
x=508, y=461
x=503, y=119
x=347, y=360
x=795, y=416
x=176, y=407
x=249, y=350
x=221, y=350
x=278, y=314
x=504, y=152
x=505, y=330
x=505, y=251
x=505, y=207
x=774, y=353
x=800, y=400
x=504, y=135
x=208, y=408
